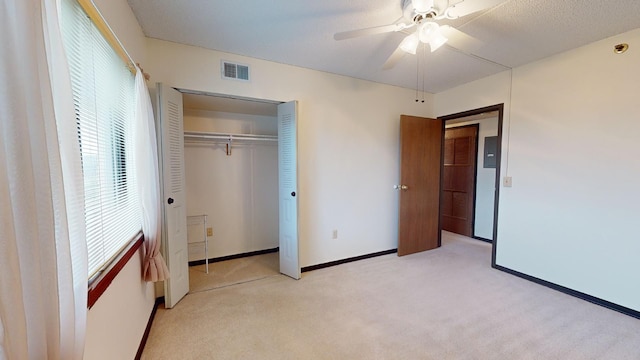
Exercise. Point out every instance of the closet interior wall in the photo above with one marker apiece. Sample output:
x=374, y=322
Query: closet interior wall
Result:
x=238, y=192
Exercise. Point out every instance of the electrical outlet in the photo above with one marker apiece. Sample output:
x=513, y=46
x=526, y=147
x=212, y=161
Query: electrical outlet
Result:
x=507, y=181
x=209, y=231
x=334, y=235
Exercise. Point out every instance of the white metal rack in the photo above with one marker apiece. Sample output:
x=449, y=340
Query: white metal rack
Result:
x=227, y=138
x=197, y=220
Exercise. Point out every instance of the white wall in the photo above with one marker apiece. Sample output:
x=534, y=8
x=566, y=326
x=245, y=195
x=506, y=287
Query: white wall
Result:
x=348, y=143
x=571, y=145
x=485, y=179
x=239, y=193
x=116, y=323
x=124, y=24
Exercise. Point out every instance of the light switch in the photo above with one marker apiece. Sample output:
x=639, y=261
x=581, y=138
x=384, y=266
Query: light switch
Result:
x=209, y=231
x=507, y=181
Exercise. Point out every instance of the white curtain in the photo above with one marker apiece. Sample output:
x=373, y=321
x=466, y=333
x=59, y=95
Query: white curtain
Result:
x=147, y=177
x=43, y=274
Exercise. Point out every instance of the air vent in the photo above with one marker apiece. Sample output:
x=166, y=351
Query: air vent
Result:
x=235, y=71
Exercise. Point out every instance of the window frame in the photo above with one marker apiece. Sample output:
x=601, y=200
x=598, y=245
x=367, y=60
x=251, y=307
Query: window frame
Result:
x=99, y=283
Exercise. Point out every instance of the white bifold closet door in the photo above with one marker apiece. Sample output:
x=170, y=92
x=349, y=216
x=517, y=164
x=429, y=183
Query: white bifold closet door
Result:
x=288, y=188
x=174, y=232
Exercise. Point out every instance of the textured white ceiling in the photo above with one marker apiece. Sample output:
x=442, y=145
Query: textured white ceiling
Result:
x=300, y=33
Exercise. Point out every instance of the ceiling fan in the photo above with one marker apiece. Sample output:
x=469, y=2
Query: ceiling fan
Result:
x=422, y=15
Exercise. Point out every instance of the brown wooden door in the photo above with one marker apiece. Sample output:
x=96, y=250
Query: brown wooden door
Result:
x=421, y=156
x=458, y=188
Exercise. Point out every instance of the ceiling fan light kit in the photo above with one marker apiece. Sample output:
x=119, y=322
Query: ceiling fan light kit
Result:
x=423, y=14
x=410, y=44
x=429, y=33
x=437, y=41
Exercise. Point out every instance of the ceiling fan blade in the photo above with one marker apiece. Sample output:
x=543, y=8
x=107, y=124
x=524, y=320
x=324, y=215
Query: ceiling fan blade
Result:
x=393, y=59
x=368, y=31
x=466, y=7
x=460, y=40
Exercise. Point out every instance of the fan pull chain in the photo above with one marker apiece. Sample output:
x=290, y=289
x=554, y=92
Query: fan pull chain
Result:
x=424, y=60
x=424, y=68
x=417, y=75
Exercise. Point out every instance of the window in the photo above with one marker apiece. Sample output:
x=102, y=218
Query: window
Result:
x=103, y=95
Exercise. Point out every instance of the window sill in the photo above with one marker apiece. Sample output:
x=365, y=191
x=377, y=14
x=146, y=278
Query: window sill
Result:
x=100, y=284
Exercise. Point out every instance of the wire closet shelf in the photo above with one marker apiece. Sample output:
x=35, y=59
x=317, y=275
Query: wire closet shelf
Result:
x=200, y=137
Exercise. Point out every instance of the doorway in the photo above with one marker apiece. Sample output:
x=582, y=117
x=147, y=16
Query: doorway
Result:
x=243, y=187
x=486, y=176
x=459, y=178
x=422, y=176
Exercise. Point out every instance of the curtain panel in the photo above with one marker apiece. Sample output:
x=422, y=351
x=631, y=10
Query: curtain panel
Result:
x=148, y=180
x=43, y=274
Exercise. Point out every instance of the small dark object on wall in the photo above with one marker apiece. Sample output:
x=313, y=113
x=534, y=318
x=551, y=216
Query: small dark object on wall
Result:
x=490, y=149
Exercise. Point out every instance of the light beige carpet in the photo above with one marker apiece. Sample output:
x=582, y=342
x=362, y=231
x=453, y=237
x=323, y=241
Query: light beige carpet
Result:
x=443, y=304
x=232, y=272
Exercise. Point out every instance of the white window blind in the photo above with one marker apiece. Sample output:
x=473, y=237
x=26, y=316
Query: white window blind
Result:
x=103, y=95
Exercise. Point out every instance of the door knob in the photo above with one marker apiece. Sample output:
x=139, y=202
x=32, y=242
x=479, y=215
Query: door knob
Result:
x=170, y=201
x=401, y=187
x=293, y=193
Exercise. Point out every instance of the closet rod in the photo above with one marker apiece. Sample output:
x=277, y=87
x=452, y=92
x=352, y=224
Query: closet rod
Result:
x=225, y=136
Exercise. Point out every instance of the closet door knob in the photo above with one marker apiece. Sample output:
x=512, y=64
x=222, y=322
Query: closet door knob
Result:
x=170, y=201
x=293, y=193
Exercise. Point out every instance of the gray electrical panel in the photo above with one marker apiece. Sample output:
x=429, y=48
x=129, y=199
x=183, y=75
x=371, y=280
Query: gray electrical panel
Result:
x=490, y=149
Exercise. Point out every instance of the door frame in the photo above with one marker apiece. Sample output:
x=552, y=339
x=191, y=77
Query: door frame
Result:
x=500, y=109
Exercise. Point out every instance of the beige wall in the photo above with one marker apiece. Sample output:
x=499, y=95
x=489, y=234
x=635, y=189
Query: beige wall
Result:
x=347, y=143
x=116, y=322
x=570, y=142
x=123, y=22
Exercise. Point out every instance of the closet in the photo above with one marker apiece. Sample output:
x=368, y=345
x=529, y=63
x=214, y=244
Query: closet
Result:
x=231, y=174
x=232, y=170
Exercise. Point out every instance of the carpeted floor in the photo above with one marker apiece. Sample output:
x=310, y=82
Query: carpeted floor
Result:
x=442, y=304
x=233, y=272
